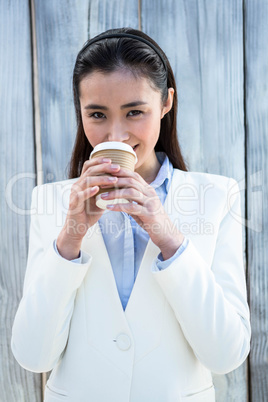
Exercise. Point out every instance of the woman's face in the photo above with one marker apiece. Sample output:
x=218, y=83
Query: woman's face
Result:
x=118, y=106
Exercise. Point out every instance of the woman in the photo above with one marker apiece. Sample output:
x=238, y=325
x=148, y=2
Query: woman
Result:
x=139, y=302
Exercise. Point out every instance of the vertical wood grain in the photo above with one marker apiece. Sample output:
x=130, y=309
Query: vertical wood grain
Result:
x=17, y=164
x=106, y=14
x=256, y=56
x=36, y=100
x=204, y=43
x=61, y=29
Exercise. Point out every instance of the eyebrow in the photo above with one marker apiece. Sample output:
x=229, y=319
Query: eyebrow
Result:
x=127, y=105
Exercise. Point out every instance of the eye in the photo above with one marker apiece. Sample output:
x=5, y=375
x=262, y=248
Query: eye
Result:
x=135, y=113
x=97, y=115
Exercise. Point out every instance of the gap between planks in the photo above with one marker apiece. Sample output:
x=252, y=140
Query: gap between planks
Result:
x=36, y=102
x=37, y=126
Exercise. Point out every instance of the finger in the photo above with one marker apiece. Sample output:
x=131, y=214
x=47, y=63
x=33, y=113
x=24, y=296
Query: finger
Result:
x=131, y=182
x=130, y=194
x=129, y=208
x=108, y=181
x=108, y=186
x=151, y=205
x=102, y=168
x=92, y=162
x=90, y=181
x=128, y=173
x=77, y=199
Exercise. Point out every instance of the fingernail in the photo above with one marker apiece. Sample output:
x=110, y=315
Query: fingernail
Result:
x=104, y=195
x=115, y=166
x=106, y=160
x=110, y=206
x=112, y=178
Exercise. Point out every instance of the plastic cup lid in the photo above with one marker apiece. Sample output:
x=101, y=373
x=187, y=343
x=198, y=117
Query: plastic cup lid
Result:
x=114, y=145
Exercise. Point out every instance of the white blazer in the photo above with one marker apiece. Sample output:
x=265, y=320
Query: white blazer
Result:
x=180, y=324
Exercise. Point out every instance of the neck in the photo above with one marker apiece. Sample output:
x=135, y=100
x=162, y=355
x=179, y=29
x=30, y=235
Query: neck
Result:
x=150, y=171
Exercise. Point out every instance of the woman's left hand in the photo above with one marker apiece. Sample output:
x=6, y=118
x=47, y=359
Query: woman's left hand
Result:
x=146, y=208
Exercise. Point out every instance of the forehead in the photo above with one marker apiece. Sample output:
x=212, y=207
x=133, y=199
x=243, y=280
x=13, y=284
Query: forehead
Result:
x=121, y=82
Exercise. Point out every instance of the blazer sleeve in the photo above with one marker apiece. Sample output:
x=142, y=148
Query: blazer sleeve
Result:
x=41, y=325
x=210, y=301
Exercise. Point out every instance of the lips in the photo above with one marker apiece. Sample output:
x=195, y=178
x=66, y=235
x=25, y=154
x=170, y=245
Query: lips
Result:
x=135, y=147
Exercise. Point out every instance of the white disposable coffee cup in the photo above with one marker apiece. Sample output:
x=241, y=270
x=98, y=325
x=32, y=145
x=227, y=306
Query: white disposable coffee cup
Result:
x=121, y=154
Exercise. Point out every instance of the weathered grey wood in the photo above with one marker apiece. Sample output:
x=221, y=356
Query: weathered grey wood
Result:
x=256, y=53
x=61, y=32
x=204, y=42
x=17, y=179
x=105, y=14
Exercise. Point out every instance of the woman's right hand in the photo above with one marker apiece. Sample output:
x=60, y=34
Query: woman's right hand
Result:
x=83, y=212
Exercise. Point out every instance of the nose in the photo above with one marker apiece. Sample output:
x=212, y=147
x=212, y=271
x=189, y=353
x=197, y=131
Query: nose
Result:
x=118, y=132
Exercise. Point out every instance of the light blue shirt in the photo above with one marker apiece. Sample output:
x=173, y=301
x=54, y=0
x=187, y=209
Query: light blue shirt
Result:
x=126, y=241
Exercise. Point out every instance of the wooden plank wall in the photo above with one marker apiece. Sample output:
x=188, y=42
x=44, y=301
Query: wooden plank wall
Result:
x=17, y=164
x=217, y=50
x=256, y=91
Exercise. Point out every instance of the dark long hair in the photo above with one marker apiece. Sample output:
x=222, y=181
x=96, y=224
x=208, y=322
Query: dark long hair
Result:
x=108, y=55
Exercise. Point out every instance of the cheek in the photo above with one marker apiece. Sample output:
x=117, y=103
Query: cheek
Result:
x=85, y=123
x=153, y=128
x=91, y=131
x=90, y=134
x=150, y=126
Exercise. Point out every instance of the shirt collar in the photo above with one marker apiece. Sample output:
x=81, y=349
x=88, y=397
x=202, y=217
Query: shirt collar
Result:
x=165, y=172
